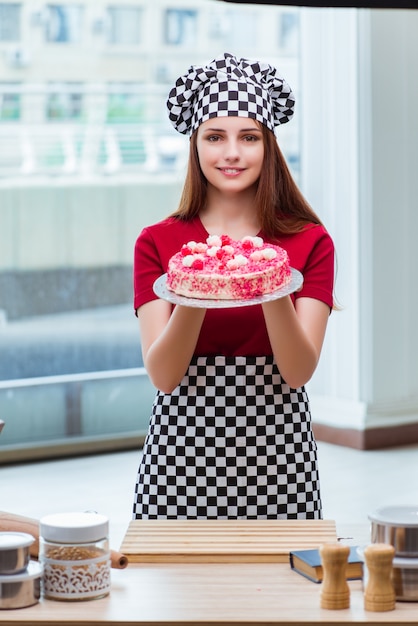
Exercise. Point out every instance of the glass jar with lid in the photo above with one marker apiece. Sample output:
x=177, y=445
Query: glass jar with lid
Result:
x=75, y=555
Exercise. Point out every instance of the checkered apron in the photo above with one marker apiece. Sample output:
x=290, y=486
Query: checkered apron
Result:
x=232, y=441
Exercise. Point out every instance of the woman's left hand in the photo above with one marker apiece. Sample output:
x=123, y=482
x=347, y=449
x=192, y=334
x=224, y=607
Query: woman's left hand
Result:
x=296, y=335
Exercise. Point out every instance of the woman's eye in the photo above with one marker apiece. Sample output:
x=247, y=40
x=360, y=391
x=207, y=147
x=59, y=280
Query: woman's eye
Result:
x=250, y=138
x=213, y=138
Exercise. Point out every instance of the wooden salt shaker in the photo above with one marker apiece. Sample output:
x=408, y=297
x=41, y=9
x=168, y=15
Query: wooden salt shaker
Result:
x=379, y=594
x=335, y=593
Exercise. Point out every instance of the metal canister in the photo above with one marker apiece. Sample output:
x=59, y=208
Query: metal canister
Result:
x=22, y=589
x=75, y=555
x=14, y=552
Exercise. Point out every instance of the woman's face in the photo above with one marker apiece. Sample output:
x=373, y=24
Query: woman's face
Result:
x=231, y=152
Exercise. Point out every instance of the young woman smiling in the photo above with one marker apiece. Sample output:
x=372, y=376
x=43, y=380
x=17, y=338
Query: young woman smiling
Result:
x=230, y=431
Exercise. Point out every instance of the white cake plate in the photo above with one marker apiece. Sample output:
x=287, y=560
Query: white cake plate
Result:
x=162, y=291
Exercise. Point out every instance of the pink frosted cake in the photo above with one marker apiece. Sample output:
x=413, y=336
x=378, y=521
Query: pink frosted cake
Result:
x=224, y=269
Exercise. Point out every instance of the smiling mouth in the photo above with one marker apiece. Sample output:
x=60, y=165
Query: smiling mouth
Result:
x=230, y=170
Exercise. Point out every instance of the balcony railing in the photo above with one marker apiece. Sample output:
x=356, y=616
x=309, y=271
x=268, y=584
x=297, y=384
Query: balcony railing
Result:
x=83, y=130
x=54, y=416
x=69, y=149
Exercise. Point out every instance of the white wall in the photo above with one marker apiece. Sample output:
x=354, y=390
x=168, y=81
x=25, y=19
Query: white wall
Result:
x=360, y=133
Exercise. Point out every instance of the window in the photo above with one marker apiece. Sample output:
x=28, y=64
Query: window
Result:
x=125, y=104
x=180, y=27
x=124, y=26
x=99, y=141
x=65, y=102
x=242, y=29
x=9, y=103
x=9, y=21
x=64, y=23
x=289, y=32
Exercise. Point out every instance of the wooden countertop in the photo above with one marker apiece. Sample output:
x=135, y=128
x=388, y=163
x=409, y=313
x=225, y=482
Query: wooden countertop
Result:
x=203, y=594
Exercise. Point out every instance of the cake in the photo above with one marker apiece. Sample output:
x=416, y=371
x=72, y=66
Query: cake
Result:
x=224, y=269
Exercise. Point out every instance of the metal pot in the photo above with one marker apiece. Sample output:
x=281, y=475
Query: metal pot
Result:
x=20, y=590
x=398, y=526
x=405, y=579
x=14, y=552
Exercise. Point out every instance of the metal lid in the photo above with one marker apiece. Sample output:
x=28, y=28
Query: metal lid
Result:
x=407, y=562
x=10, y=540
x=33, y=570
x=74, y=527
x=404, y=562
x=396, y=515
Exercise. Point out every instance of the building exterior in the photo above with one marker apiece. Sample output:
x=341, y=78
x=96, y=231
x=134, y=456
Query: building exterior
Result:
x=83, y=84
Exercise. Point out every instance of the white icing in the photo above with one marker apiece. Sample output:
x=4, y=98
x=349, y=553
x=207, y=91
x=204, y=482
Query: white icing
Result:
x=212, y=251
x=256, y=256
x=237, y=261
x=214, y=240
x=200, y=248
x=188, y=260
x=228, y=249
x=256, y=241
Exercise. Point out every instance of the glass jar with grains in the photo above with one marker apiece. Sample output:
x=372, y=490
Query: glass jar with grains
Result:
x=74, y=551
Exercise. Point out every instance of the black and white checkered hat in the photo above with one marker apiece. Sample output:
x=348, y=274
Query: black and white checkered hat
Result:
x=230, y=87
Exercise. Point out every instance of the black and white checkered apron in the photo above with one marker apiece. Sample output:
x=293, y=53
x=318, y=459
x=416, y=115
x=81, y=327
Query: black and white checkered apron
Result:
x=232, y=441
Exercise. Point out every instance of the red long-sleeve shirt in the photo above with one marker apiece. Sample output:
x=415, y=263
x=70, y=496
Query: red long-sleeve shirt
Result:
x=236, y=331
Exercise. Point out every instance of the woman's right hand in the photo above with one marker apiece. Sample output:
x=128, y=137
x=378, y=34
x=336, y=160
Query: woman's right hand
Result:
x=168, y=339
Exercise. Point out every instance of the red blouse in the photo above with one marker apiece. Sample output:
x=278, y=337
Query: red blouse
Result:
x=237, y=331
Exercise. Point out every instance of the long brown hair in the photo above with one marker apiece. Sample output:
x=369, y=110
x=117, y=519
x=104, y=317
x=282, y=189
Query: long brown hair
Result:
x=280, y=205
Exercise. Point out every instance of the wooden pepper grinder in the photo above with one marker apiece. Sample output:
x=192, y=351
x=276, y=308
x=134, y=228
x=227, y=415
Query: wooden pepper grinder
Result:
x=335, y=593
x=379, y=594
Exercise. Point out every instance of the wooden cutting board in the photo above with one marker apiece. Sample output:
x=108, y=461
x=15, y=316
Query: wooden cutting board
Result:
x=228, y=541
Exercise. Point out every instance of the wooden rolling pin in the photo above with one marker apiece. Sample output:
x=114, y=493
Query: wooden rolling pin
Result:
x=19, y=523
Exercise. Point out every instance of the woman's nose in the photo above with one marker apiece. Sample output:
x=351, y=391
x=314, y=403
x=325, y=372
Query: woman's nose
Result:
x=231, y=150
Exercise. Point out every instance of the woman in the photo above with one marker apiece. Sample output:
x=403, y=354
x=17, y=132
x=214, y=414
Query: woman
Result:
x=230, y=434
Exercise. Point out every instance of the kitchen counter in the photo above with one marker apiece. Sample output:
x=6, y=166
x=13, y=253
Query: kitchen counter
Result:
x=203, y=594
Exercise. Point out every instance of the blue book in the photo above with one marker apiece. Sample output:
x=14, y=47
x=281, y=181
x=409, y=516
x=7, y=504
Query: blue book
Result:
x=308, y=563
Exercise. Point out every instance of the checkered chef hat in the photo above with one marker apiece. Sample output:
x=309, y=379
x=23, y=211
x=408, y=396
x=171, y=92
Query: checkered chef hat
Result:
x=230, y=87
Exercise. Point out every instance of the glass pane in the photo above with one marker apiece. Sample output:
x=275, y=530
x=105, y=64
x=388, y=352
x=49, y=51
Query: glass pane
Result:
x=180, y=27
x=289, y=32
x=124, y=26
x=64, y=23
x=125, y=106
x=9, y=21
x=64, y=102
x=9, y=104
x=242, y=29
